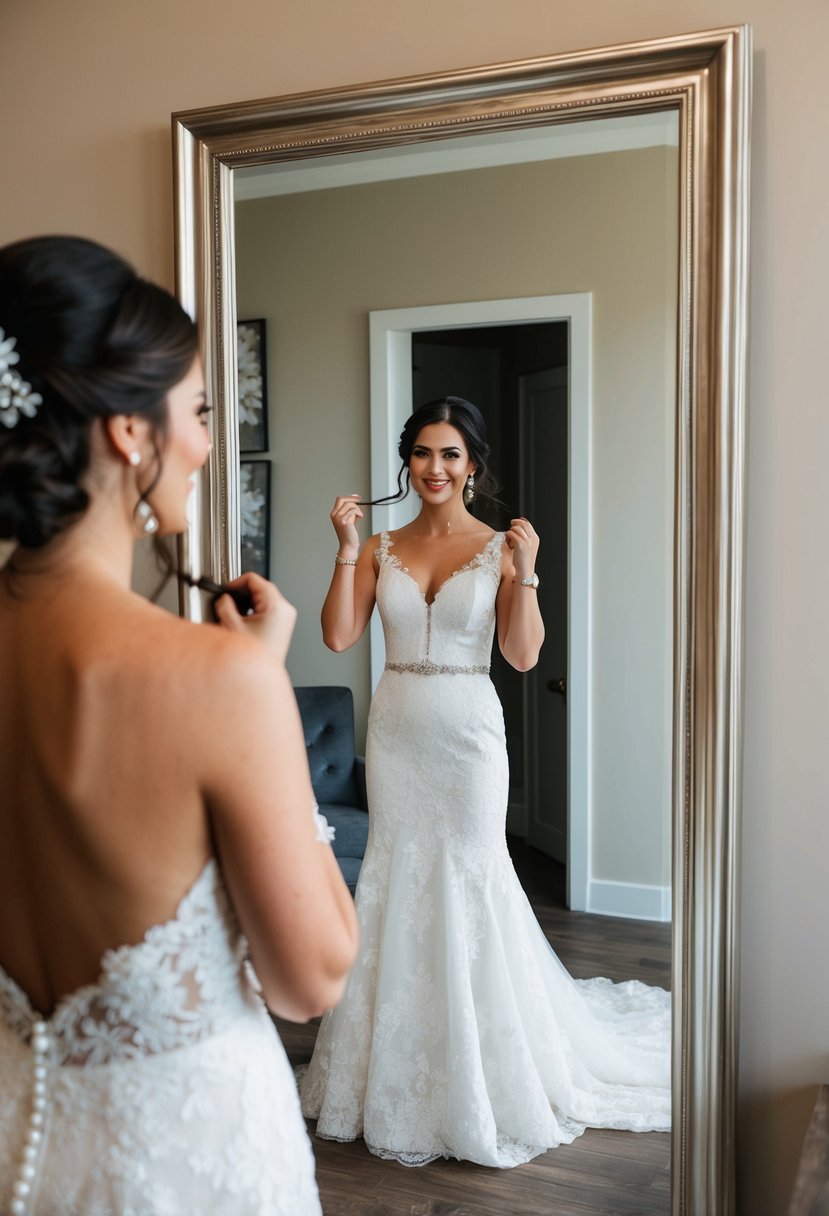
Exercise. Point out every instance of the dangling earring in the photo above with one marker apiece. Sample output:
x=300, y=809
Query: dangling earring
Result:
x=145, y=513
x=469, y=492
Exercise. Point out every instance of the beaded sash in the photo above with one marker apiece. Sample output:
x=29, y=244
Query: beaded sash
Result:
x=425, y=667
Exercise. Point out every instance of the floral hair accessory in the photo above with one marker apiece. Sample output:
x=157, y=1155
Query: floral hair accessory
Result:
x=16, y=396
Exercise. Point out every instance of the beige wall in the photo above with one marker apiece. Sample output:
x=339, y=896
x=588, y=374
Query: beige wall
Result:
x=86, y=90
x=315, y=264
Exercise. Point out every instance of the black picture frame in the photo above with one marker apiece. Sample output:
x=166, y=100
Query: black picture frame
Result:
x=251, y=353
x=255, y=526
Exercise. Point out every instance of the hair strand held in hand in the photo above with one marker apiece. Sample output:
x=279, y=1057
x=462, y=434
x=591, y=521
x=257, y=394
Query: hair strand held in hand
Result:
x=467, y=419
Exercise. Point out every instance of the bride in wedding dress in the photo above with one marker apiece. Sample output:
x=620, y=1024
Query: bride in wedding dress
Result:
x=460, y=1034
x=157, y=818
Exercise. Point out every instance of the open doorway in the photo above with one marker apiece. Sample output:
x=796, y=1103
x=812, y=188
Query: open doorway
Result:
x=540, y=348
x=518, y=376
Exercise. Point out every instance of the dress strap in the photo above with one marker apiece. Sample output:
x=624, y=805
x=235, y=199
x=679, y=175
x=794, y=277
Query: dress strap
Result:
x=382, y=550
x=490, y=557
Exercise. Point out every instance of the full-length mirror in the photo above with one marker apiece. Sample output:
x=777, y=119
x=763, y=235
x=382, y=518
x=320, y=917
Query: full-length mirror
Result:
x=449, y=267
x=562, y=241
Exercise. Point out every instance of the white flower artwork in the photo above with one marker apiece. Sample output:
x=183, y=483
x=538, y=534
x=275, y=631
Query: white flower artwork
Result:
x=253, y=413
x=254, y=499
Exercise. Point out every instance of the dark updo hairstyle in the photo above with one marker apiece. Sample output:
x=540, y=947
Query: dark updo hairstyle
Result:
x=95, y=341
x=467, y=419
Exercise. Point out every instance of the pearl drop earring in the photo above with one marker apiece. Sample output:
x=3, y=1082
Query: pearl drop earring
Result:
x=149, y=521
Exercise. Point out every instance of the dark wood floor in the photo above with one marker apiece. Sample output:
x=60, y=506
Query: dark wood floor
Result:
x=603, y=1173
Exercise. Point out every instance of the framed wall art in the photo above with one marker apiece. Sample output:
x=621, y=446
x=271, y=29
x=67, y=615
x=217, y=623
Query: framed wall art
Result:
x=255, y=501
x=253, y=386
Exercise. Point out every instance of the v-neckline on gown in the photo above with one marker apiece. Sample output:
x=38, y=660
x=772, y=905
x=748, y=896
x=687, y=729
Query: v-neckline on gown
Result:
x=473, y=564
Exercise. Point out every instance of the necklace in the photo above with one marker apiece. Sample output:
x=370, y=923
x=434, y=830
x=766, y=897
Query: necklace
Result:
x=438, y=535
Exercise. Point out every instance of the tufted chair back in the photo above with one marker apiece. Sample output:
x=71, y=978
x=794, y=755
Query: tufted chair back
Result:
x=328, y=722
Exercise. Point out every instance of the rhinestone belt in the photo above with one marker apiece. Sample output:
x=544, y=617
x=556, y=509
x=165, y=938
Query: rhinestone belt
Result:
x=425, y=667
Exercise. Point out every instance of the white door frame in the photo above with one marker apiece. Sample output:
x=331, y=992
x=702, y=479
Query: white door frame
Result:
x=390, y=339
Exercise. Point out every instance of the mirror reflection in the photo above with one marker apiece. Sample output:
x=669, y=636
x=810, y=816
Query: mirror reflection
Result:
x=533, y=273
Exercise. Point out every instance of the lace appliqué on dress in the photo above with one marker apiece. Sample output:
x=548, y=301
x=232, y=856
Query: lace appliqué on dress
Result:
x=325, y=833
x=488, y=559
x=169, y=1091
x=460, y=1034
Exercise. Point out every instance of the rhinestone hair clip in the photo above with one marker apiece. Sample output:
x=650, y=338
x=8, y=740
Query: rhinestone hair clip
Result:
x=16, y=396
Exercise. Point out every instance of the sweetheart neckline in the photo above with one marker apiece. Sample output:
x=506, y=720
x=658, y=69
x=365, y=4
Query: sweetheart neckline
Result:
x=109, y=956
x=474, y=563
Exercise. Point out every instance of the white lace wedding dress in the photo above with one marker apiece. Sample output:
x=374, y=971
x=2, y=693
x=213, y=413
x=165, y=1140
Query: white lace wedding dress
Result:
x=164, y=1090
x=460, y=1033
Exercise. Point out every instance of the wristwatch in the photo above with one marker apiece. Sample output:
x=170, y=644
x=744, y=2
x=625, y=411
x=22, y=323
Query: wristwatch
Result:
x=532, y=581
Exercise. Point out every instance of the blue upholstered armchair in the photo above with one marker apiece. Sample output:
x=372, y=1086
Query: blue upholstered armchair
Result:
x=337, y=774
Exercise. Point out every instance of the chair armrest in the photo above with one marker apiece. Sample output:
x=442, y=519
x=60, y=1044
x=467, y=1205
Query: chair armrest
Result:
x=360, y=778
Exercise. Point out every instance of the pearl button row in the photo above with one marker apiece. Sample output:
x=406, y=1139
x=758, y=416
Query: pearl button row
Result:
x=41, y=1044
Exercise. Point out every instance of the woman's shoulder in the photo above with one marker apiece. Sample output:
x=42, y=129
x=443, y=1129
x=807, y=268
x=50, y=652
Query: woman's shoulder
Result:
x=113, y=666
x=375, y=546
x=197, y=683
x=486, y=538
x=129, y=638
x=204, y=647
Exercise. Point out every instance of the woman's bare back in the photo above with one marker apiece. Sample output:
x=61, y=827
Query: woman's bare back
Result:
x=102, y=822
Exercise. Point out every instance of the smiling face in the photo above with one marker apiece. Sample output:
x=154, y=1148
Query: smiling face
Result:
x=439, y=464
x=185, y=450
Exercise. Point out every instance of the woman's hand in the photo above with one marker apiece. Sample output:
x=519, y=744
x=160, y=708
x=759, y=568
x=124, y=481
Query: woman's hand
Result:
x=520, y=627
x=272, y=620
x=344, y=516
x=523, y=542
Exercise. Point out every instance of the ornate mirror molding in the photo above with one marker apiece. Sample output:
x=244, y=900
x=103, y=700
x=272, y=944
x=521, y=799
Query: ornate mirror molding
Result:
x=705, y=78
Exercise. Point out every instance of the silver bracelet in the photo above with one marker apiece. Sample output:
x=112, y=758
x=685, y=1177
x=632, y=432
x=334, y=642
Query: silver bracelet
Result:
x=344, y=561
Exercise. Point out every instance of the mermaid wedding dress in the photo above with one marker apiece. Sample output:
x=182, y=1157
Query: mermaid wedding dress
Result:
x=460, y=1033
x=161, y=1090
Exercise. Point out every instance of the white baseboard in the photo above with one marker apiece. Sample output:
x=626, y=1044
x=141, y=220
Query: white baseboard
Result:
x=634, y=901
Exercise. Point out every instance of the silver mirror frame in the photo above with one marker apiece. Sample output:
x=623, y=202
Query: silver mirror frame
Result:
x=706, y=77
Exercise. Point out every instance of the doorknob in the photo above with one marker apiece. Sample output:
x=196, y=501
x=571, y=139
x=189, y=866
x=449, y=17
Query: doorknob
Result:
x=558, y=685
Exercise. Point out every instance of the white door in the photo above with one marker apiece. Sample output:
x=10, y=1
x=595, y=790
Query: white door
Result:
x=543, y=407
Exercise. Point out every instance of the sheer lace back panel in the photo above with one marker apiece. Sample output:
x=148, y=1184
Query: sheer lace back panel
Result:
x=165, y=1089
x=180, y=983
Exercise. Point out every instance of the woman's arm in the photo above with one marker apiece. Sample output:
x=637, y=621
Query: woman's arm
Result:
x=350, y=599
x=291, y=900
x=520, y=627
